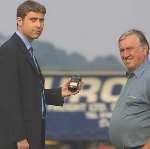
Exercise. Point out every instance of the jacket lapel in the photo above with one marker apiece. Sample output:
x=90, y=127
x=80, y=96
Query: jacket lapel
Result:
x=31, y=61
x=27, y=55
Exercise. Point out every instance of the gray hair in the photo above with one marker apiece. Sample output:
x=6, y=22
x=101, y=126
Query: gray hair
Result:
x=138, y=33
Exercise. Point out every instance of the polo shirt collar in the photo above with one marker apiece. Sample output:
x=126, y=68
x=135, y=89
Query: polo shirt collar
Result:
x=139, y=71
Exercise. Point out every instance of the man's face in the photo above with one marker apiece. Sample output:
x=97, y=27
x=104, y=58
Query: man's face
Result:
x=32, y=25
x=133, y=54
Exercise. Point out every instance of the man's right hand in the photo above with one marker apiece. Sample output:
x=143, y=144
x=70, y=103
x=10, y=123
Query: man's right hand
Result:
x=23, y=144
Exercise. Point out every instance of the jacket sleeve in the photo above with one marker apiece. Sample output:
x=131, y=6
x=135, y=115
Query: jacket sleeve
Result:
x=53, y=97
x=10, y=99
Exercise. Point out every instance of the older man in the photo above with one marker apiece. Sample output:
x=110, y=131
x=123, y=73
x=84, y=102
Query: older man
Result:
x=130, y=122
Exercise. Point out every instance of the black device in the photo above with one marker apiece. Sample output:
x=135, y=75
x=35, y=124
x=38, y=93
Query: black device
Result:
x=74, y=83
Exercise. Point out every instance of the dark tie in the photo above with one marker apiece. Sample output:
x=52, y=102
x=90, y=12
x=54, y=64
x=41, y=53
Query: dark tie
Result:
x=130, y=74
x=42, y=87
x=34, y=59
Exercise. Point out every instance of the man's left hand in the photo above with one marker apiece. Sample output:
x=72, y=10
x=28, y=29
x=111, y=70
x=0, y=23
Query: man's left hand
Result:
x=65, y=92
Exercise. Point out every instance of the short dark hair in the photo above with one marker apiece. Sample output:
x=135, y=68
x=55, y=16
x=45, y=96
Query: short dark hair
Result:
x=138, y=33
x=28, y=6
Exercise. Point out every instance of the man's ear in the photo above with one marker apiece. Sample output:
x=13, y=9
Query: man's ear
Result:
x=146, y=50
x=19, y=21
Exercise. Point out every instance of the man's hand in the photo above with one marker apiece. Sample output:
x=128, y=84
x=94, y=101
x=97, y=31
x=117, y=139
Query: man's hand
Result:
x=65, y=92
x=23, y=144
x=147, y=144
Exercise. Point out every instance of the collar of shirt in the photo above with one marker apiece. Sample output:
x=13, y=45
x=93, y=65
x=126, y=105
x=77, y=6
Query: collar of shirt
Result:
x=24, y=39
x=139, y=71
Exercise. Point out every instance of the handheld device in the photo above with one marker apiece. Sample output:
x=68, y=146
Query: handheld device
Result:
x=74, y=83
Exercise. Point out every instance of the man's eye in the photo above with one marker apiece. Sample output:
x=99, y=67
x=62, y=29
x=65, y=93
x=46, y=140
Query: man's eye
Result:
x=41, y=20
x=33, y=19
x=121, y=50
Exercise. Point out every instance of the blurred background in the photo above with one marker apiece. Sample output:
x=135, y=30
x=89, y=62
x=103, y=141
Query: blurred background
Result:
x=80, y=37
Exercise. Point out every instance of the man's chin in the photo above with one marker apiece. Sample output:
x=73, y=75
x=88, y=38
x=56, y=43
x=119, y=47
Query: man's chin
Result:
x=130, y=68
x=35, y=37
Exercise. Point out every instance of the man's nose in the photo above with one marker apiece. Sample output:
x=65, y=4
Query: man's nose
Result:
x=38, y=23
x=126, y=53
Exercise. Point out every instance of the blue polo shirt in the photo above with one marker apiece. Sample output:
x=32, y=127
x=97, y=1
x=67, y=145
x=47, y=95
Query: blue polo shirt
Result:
x=130, y=122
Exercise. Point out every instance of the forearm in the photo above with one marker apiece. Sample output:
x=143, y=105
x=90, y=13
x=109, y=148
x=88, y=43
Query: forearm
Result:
x=54, y=97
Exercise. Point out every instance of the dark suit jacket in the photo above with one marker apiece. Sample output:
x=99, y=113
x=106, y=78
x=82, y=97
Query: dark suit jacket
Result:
x=20, y=95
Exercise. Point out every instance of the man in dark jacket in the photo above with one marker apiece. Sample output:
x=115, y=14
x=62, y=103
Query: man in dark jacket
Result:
x=22, y=93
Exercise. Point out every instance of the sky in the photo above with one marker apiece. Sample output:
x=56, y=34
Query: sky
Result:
x=89, y=27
